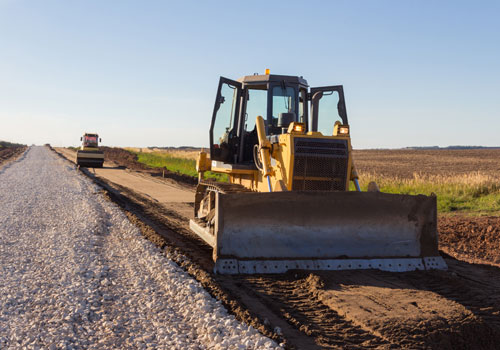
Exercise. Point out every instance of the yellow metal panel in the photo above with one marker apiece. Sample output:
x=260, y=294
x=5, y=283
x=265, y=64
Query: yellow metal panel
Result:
x=233, y=171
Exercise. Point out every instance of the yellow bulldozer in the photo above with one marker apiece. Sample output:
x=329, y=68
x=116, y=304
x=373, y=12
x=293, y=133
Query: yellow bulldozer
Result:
x=288, y=204
x=89, y=155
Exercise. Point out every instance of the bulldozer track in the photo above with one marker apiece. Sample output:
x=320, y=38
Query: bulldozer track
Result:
x=223, y=187
x=292, y=308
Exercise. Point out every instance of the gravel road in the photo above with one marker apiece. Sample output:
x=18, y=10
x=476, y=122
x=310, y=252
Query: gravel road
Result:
x=76, y=274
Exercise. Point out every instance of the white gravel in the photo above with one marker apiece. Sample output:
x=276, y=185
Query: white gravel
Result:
x=76, y=274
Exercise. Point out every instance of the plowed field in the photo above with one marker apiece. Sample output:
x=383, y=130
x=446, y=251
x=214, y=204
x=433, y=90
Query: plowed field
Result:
x=444, y=162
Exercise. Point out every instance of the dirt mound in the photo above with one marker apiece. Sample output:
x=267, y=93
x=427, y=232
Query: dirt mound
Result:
x=471, y=239
x=123, y=158
x=7, y=153
x=129, y=160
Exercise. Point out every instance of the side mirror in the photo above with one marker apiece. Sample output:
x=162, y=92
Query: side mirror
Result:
x=81, y=138
x=100, y=140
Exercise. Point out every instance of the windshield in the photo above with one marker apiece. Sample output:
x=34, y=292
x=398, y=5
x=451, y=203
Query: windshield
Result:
x=284, y=101
x=90, y=140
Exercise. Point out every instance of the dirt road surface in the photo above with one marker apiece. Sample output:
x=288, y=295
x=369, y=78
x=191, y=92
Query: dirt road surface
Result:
x=454, y=309
x=77, y=274
x=167, y=192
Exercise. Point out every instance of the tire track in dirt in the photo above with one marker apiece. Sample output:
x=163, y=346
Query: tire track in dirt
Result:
x=293, y=296
x=474, y=286
x=455, y=309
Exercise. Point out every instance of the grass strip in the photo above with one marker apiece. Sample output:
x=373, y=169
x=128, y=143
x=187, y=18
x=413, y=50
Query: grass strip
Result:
x=472, y=193
x=175, y=164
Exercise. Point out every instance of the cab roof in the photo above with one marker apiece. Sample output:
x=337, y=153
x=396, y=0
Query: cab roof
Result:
x=272, y=78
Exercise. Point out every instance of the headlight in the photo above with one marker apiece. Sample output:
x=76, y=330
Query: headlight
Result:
x=298, y=127
x=344, y=130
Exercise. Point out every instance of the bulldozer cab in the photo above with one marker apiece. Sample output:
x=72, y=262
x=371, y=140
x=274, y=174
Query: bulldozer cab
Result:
x=280, y=100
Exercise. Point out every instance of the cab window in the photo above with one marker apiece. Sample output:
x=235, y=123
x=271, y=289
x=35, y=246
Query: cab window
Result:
x=328, y=112
x=224, y=122
x=284, y=101
x=256, y=105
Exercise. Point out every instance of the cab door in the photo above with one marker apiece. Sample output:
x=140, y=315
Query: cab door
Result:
x=223, y=128
x=327, y=106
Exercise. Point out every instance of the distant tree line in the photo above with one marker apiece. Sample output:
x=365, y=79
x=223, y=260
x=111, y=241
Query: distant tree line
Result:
x=183, y=148
x=448, y=147
x=10, y=144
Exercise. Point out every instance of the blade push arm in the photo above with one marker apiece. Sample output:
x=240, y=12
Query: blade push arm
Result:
x=264, y=150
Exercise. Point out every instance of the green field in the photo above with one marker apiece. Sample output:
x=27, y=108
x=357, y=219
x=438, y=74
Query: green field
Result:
x=175, y=164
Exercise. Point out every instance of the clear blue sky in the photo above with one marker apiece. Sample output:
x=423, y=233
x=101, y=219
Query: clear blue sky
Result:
x=144, y=73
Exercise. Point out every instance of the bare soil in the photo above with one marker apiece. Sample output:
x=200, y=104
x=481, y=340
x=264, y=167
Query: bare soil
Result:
x=454, y=309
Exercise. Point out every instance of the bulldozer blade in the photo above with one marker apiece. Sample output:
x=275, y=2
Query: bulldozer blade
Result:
x=276, y=232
